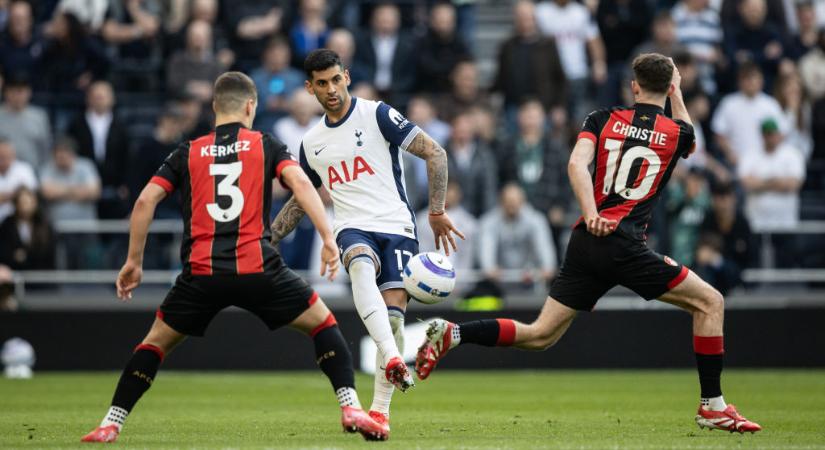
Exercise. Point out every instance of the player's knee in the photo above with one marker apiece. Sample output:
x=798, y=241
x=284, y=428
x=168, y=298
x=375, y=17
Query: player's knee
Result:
x=713, y=302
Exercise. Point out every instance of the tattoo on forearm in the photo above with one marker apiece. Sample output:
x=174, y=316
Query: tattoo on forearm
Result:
x=424, y=147
x=287, y=220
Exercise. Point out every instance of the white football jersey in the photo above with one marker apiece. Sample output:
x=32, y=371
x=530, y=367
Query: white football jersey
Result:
x=358, y=160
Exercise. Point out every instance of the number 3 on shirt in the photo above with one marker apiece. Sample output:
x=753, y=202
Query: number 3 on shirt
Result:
x=227, y=188
x=613, y=148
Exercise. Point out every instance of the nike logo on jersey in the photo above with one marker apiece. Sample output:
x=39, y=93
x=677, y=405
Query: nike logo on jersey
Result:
x=368, y=316
x=320, y=150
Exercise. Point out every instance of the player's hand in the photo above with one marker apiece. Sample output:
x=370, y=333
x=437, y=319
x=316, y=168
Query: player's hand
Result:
x=329, y=259
x=128, y=279
x=599, y=226
x=443, y=228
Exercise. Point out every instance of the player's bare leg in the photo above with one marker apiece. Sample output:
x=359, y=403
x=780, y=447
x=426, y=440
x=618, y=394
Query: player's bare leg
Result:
x=707, y=306
x=396, y=301
x=551, y=324
x=362, y=265
x=335, y=360
x=136, y=379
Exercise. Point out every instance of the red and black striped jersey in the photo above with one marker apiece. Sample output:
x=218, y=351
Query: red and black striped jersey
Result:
x=636, y=150
x=225, y=181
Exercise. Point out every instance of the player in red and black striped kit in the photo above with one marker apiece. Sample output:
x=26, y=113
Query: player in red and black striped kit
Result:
x=225, y=180
x=635, y=150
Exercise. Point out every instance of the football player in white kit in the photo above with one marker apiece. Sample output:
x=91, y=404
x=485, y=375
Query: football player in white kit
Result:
x=354, y=152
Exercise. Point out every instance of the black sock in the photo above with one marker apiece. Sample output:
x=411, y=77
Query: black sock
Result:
x=137, y=376
x=710, y=373
x=482, y=332
x=333, y=357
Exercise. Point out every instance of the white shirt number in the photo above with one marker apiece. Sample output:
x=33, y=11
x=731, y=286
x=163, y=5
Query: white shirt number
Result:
x=639, y=192
x=226, y=187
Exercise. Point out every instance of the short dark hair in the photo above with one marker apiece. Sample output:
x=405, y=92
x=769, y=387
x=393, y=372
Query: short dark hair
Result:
x=65, y=143
x=653, y=72
x=320, y=60
x=748, y=69
x=232, y=90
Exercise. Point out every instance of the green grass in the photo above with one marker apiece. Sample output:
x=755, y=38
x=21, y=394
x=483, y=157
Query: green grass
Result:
x=494, y=410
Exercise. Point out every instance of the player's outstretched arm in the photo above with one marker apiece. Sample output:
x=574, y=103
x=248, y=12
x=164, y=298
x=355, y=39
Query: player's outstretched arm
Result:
x=307, y=200
x=677, y=103
x=582, y=184
x=424, y=147
x=142, y=213
x=286, y=220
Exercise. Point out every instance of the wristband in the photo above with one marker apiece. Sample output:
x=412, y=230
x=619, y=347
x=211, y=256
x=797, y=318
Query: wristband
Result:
x=437, y=213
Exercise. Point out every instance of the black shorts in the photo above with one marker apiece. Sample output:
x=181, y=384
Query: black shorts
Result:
x=593, y=265
x=276, y=297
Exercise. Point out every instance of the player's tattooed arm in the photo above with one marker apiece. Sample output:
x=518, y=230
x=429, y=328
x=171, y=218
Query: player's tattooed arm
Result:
x=287, y=220
x=424, y=147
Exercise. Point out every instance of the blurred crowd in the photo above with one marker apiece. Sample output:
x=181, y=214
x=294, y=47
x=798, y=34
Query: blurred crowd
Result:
x=96, y=94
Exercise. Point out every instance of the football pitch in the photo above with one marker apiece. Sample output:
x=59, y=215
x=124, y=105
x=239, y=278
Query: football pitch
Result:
x=452, y=410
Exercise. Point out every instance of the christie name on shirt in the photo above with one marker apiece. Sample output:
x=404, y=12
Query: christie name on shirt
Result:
x=643, y=134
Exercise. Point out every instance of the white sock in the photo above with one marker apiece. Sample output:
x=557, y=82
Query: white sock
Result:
x=456, y=336
x=348, y=397
x=115, y=416
x=383, y=389
x=714, y=404
x=371, y=307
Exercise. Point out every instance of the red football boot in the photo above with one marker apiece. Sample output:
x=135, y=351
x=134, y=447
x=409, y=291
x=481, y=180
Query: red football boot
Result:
x=728, y=420
x=438, y=343
x=398, y=374
x=356, y=420
x=102, y=434
x=381, y=418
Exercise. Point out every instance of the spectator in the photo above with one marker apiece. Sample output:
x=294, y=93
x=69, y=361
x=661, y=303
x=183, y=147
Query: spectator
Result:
x=102, y=139
x=253, y=23
x=440, y=50
x=275, y=80
x=303, y=115
x=755, y=40
x=514, y=236
x=194, y=69
x=806, y=37
x=663, y=38
x=725, y=246
x=25, y=125
x=26, y=238
x=465, y=93
x=14, y=175
x=193, y=121
x=134, y=28
x=772, y=177
x=89, y=13
x=473, y=165
x=687, y=202
x=812, y=69
x=310, y=30
x=71, y=187
x=342, y=42
x=70, y=184
x=576, y=35
x=529, y=66
x=797, y=112
x=387, y=55
x=152, y=153
x=537, y=162
x=463, y=261
x=422, y=113
x=699, y=29
x=206, y=11
x=71, y=60
x=20, y=47
x=737, y=120
x=623, y=24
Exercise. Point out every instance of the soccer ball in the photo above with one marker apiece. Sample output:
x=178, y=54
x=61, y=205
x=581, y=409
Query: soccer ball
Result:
x=429, y=277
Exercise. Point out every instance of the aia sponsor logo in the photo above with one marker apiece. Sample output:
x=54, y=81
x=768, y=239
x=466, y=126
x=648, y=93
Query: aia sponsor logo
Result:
x=346, y=173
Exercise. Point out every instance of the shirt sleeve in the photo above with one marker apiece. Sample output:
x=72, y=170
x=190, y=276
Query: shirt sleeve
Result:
x=687, y=139
x=171, y=171
x=395, y=128
x=592, y=126
x=281, y=157
x=313, y=176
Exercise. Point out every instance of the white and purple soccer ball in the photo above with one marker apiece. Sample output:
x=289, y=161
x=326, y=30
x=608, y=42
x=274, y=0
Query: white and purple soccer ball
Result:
x=429, y=277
